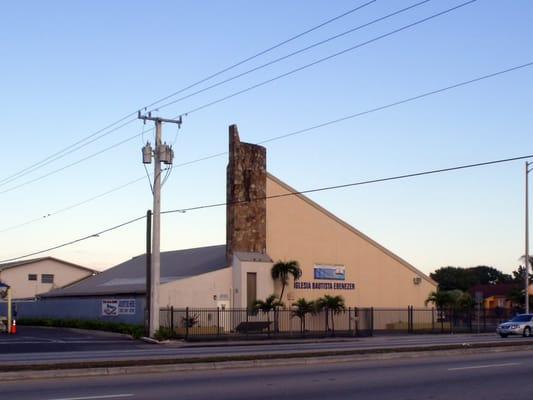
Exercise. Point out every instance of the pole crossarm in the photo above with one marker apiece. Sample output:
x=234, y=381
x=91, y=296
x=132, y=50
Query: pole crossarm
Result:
x=148, y=117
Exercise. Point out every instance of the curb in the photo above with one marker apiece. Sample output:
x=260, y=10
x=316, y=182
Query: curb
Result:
x=128, y=367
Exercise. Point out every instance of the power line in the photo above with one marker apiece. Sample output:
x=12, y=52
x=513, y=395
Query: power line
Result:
x=295, y=193
x=316, y=44
x=261, y=53
x=75, y=205
x=70, y=165
x=97, y=234
x=321, y=60
x=323, y=124
x=68, y=150
x=128, y=118
x=372, y=110
x=360, y=183
x=270, y=80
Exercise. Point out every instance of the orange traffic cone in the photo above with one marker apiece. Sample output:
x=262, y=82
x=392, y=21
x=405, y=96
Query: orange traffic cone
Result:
x=14, y=327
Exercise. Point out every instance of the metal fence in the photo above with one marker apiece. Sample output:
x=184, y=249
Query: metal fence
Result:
x=205, y=323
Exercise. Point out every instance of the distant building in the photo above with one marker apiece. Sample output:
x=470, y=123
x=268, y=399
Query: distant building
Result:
x=499, y=295
x=266, y=222
x=30, y=278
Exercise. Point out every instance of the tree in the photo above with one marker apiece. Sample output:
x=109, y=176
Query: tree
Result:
x=269, y=304
x=302, y=307
x=519, y=273
x=485, y=275
x=452, y=299
x=451, y=278
x=282, y=270
x=440, y=299
x=332, y=305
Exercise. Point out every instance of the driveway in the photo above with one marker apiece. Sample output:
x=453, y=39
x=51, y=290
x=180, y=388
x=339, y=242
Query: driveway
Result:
x=31, y=339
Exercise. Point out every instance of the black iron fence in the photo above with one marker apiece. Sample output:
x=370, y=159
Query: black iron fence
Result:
x=204, y=323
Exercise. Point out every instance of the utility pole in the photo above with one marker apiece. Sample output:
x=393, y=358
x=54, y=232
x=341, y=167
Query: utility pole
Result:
x=161, y=153
x=526, y=256
x=148, y=271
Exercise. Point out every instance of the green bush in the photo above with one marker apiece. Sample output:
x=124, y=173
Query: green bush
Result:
x=165, y=334
x=135, y=331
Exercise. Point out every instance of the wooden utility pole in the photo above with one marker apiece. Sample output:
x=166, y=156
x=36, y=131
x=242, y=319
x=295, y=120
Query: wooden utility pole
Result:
x=161, y=153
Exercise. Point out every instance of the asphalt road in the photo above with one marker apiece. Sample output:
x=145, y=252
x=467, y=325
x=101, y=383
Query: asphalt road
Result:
x=488, y=376
x=50, y=345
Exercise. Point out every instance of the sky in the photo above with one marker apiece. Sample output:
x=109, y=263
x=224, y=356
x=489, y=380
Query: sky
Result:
x=70, y=69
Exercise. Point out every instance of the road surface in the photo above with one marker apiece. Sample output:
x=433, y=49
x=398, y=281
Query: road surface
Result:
x=488, y=376
x=38, y=345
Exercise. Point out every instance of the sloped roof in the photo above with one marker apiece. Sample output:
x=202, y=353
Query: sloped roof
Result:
x=35, y=260
x=500, y=289
x=129, y=276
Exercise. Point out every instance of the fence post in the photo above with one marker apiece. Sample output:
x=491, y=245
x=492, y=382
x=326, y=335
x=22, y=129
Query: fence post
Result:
x=186, y=323
x=432, y=319
x=172, y=319
x=246, y=326
x=218, y=321
x=409, y=319
x=350, y=321
x=484, y=320
x=371, y=321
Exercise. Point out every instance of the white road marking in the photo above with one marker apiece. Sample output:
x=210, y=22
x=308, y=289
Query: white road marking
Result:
x=105, y=396
x=484, y=366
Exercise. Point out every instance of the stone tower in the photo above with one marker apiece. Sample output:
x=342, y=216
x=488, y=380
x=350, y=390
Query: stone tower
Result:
x=245, y=193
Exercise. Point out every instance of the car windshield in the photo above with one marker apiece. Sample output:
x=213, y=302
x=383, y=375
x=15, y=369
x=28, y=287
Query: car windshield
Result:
x=521, y=318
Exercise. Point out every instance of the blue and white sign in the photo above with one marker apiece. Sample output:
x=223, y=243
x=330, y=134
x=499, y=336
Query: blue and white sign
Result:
x=115, y=307
x=330, y=272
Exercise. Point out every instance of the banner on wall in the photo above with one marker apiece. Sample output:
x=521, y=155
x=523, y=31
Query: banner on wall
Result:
x=330, y=272
x=116, y=307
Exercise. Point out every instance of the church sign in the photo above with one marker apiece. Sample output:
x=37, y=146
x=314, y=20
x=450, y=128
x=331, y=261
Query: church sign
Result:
x=330, y=272
x=327, y=273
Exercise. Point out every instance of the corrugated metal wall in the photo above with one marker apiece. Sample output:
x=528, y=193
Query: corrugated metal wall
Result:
x=86, y=308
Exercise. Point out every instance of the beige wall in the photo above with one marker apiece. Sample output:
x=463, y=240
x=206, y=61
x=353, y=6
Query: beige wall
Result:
x=299, y=229
x=64, y=274
x=197, y=291
x=265, y=285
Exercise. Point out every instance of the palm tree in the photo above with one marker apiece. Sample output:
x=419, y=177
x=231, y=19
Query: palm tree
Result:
x=332, y=305
x=440, y=299
x=302, y=307
x=270, y=303
x=282, y=270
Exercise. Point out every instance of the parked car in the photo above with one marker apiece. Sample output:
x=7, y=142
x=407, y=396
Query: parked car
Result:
x=522, y=324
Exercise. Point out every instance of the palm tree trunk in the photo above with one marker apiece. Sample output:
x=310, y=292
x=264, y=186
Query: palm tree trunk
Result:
x=332, y=324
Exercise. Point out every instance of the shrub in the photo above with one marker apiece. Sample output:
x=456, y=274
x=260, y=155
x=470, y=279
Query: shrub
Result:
x=136, y=331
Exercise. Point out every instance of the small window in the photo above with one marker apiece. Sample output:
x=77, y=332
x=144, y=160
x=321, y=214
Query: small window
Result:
x=47, y=278
x=32, y=277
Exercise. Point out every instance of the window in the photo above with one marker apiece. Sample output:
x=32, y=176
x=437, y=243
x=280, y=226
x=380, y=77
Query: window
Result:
x=47, y=278
x=32, y=277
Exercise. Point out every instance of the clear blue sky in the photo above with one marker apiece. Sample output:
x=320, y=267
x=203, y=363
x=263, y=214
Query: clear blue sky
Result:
x=70, y=68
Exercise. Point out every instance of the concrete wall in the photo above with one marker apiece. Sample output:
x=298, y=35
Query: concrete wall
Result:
x=265, y=285
x=298, y=229
x=201, y=291
x=86, y=308
x=64, y=274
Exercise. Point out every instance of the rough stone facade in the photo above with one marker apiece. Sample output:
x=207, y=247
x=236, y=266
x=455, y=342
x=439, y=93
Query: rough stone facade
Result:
x=246, y=192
